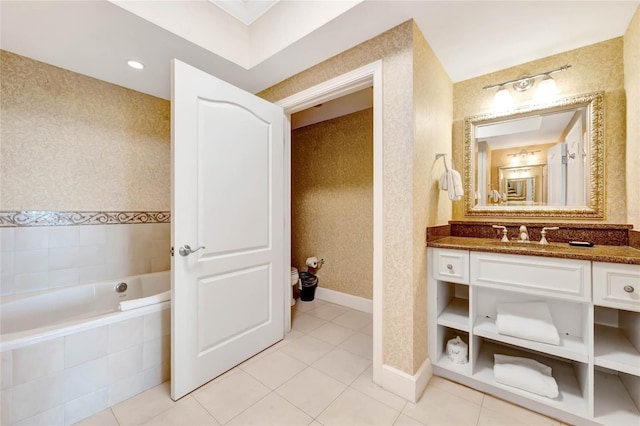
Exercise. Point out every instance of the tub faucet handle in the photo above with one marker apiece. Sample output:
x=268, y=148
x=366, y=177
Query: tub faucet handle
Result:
x=186, y=250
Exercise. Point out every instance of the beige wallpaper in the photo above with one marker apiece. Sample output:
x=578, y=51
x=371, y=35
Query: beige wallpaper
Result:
x=405, y=208
x=632, y=87
x=598, y=67
x=71, y=142
x=432, y=116
x=332, y=201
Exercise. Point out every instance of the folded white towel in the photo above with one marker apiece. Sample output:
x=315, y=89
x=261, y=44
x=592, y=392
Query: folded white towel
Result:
x=526, y=374
x=531, y=321
x=451, y=182
x=144, y=301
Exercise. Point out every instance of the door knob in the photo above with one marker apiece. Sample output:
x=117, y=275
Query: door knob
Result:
x=186, y=250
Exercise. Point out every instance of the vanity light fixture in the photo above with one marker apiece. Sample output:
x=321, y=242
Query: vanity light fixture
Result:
x=526, y=82
x=135, y=64
x=547, y=88
x=502, y=98
x=523, y=153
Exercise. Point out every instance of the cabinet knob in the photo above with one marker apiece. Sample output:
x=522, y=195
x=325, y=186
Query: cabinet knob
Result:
x=449, y=266
x=628, y=288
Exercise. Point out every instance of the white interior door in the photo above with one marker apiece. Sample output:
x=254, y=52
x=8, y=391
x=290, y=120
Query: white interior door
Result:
x=227, y=158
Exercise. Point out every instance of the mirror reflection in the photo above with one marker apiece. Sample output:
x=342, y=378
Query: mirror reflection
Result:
x=536, y=158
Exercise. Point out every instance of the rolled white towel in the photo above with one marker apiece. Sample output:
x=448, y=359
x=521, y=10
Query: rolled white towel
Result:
x=127, y=305
x=531, y=321
x=526, y=374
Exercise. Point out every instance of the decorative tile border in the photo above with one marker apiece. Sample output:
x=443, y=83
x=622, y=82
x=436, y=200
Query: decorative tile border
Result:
x=58, y=218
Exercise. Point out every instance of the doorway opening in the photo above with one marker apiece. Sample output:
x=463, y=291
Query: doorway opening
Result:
x=332, y=197
x=368, y=76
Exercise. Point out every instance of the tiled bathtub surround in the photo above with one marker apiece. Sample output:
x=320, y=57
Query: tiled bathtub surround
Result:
x=40, y=257
x=64, y=380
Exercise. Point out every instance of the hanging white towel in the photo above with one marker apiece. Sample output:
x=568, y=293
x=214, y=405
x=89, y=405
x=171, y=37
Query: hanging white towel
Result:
x=494, y=196
x=526, y=374
x=531, y=321
x=451, y=182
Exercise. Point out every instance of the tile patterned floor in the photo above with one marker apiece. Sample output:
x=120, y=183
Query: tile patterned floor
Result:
x=319, y=375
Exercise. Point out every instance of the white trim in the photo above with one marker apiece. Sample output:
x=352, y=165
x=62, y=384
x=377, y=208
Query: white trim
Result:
x=350, y=82
x=288, y=293
x=405, y=385
x=345, y=299
x=337, y=87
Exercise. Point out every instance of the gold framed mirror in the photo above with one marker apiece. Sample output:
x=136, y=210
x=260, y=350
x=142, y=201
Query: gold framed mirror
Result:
x=537, y=160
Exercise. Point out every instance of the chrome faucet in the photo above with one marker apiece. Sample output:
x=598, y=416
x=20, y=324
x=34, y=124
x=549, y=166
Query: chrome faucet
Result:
x=523, y=234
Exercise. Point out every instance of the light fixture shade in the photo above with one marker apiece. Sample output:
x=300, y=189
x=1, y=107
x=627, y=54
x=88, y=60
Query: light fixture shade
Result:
x=547, y=89
x=502, y=98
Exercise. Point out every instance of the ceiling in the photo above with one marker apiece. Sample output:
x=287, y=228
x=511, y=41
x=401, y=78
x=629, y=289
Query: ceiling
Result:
x=470, y=38
x=522, y=132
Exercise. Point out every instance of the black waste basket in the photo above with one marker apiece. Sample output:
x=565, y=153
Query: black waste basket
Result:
x=309, y=285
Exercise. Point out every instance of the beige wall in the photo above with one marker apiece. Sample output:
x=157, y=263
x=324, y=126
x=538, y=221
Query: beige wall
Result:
x=632, y=87
x=416, y=122
x=332, y=201
x=71, y=142
x=598, y=67
x=432, y=107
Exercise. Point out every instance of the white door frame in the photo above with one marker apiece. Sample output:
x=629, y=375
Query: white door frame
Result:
x=358, y=79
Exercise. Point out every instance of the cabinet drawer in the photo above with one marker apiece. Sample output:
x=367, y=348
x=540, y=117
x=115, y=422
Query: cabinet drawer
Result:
x=451, y=265
x=616, y=285
x=554, y=277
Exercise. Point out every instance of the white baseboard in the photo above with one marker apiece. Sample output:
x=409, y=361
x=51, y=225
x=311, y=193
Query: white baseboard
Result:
x=344, y=299
x=405, y=385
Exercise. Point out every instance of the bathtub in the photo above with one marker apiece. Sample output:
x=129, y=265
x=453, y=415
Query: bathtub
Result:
x=69, y=353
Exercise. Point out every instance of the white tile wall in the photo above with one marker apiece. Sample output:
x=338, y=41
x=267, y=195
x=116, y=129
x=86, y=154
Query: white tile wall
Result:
x=37, y=258
x=156, y=324
x=86, y=378
x=85, y=406
x=125, y=363
x=6, y=396
x=37, y=396
x=37, y=361
x=55, y=416
x=85, y=346
x=125, y=389
x=125, y=334
x=6, y=368
x=63, y=380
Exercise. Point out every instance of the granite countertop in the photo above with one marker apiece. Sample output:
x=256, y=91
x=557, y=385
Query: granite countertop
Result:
x=597, y=253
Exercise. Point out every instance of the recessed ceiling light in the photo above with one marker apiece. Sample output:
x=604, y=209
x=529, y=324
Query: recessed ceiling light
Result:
x=135, y=64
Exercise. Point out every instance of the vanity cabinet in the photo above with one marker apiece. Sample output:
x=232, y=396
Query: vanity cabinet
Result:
x=594, y=307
